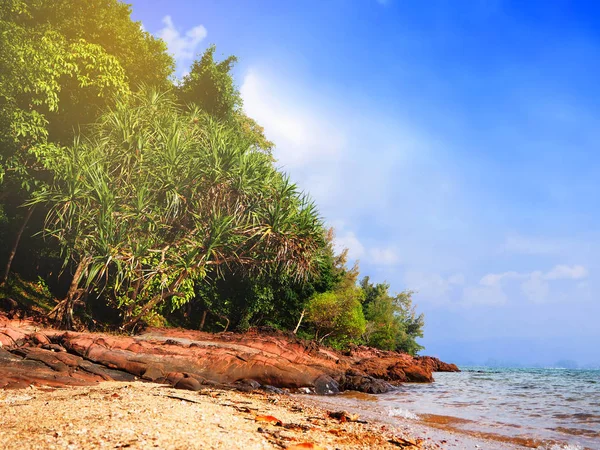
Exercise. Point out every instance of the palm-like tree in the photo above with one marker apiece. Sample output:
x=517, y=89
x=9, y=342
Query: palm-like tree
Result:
x=157, y=195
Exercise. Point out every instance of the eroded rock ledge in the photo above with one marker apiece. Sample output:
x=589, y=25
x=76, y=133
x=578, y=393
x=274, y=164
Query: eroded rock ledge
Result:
x=30, y=354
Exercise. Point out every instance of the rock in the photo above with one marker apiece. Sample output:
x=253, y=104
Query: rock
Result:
x=40, y=339
x=189, y=359
x=247, y=385
x=272, y=389
x=325, y=385
x=418, y=374
x=354, y=380
x=395, y=370
x=436, y=365
x=188, y=383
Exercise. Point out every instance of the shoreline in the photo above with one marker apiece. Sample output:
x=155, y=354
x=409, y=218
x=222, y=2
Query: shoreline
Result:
x=196, y=367
x=149, y=415
x=447, y=437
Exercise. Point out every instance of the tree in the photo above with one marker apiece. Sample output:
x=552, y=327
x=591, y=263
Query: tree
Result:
x=338, y=313
x=158, y=196
x=35, y=63
x=392, y=323
x=62, y=63
x=210, y=87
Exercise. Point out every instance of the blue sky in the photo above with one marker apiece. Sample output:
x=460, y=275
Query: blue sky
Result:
x=452, y=144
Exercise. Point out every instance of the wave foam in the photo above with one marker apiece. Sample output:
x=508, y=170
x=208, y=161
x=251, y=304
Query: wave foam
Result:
x=561, y=447
x=403, y=413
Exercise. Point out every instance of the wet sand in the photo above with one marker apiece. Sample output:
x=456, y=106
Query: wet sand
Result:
x=446, y=431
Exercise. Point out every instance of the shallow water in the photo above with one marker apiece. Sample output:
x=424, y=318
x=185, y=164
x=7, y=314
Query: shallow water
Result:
x=552, y=408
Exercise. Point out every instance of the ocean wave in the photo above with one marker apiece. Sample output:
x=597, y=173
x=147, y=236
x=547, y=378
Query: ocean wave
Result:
x=561, y=447
x=403, y=413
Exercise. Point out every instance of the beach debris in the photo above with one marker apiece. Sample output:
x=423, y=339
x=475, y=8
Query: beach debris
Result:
x=344, y=416
x=406, y=443
x=183, y=399
x=297, y=426
x=269, y=419
x=304, y=445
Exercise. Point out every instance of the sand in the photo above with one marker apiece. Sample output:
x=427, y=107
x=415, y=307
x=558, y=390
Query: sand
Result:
x=140, y=415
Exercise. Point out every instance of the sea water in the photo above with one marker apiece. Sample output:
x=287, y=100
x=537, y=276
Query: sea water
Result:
x=549, y=408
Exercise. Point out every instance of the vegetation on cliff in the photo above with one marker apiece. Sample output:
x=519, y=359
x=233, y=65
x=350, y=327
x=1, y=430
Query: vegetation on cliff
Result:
x=140, y=199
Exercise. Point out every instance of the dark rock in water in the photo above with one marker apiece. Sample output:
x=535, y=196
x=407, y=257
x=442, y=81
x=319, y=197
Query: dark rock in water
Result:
x=354, y=380
x=325, y=385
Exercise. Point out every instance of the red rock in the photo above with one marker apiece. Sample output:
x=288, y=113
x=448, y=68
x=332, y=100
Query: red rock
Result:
x=418, y=374
x=187, y=359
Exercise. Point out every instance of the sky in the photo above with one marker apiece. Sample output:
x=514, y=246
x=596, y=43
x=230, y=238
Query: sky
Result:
x=452, y=144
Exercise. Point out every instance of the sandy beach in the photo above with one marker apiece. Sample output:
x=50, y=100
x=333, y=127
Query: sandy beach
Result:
x=148, y=415
x=141, y=415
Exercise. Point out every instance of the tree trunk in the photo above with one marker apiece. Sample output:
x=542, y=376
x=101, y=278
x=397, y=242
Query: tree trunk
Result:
x=16, y=245
x=324, y=337
x=64, y=310
x=204, y=313
x=226, y=319
x=146, y=309
x=155, y=301
x=299, y=321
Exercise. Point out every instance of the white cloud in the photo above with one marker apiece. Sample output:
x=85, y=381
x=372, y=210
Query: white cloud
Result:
x=563, y=272
x=430, y=286
x=534, y=285
x=302, y=135
x=383, y=256
x=494, y=279
x=349, y=241
x=182, y=46
x=358, y=251
x=531, y=245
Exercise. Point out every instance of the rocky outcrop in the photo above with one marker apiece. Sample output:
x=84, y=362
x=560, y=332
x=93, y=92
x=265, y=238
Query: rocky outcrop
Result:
x=191, y=359
x=436, y=365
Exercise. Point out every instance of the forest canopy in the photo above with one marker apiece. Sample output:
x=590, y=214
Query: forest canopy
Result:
x=138, y=199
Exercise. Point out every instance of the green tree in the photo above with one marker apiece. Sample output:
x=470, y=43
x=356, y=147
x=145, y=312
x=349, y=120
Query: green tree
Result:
x=392, y=323
x=210, y=87
x=158, y=196
x=35, y=64
x=337, y=315
x=61, y=63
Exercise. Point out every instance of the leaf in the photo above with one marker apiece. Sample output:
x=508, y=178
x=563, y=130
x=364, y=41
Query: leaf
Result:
x=269, y=419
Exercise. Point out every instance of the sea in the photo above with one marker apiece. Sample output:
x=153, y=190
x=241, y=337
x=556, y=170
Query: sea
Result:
x=524, y=408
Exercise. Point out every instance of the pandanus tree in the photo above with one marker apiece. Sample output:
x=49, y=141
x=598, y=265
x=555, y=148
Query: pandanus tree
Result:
x=157, y=195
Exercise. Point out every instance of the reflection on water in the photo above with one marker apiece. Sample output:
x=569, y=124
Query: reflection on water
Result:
x=527, y=406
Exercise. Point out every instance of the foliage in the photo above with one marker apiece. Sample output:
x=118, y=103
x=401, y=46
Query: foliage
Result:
x=392, y=323
x=338, y=313
x=34, y=64
x=210, y=87
x=157, y=196
x=161, y=197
